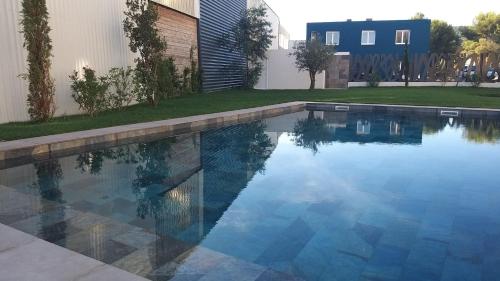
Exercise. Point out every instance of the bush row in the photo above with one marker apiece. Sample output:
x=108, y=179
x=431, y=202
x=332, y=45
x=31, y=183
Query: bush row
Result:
x=120, y=87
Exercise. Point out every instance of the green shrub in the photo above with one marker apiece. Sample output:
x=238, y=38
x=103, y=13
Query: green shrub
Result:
x=186, y=82
x=168, y=78
x=373, y=80
x=90, y=91
x=474, y=79
x=121, y=93
x=195, y=73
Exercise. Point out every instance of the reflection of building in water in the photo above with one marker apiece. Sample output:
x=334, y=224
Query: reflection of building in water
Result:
x=367, y=127
x=363, y=127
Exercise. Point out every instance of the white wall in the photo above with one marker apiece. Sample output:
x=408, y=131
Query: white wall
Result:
x=280, y=72
x=84, y=33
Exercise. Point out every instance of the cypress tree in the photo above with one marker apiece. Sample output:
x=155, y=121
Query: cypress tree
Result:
x=35, y=28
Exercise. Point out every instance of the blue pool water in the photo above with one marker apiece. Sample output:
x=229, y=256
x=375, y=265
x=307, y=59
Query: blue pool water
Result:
x=305, y=196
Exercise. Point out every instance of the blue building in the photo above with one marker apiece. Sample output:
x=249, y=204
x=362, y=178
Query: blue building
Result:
x=373, y=37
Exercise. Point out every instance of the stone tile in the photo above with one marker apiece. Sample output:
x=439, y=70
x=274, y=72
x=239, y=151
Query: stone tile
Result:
x=35, y=224
x=325, y=208
x=56, y=232
x=96, y=242
x=386, y=263
x=272, y=275
x=138, y=262
x=106, y=273
x=234, y=269
x=490, y=271
x=371, y=234
x=40, y=260
x=312, y=261
x=460, y=270
x=426, y=258
x=401, y=233
x=288, y=245
x=343, y=268
x=467, y=248
x=11, y=238
x=136, y=237
x=377, y=219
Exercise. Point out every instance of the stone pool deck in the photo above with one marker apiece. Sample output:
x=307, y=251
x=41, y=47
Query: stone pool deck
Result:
x=26, y=258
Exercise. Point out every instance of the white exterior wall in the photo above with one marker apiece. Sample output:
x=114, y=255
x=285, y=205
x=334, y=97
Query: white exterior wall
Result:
x=84, y=33
x=280, y=73
x=272, y=17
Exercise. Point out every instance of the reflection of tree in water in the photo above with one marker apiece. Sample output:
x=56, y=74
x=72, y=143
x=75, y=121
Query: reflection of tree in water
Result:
x=49, y=175
x=434, y=125
x=482, y=131
x=92, y=161
x=254, y=146
x=311, y=132
x=151, y=172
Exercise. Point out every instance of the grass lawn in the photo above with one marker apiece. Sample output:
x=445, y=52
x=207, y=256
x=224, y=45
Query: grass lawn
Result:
x=235, y=99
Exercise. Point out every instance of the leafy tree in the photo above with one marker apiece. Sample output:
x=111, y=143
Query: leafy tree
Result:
x=140, y=27
x=487, y=25
x=313, y=56
x=483, y=46
x=252, y=36
x=468, y=33
x=35, y=27
x=444, y=38
x=418, y=16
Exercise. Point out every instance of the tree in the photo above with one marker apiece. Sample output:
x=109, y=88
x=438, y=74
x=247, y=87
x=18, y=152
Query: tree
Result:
x=444, y=38
x=468, y=33
x=35, y=27
x=140, y=27
x=418, y=16
x=313, y=56
x=482, y=46
x=252, y=36
x=487, y=25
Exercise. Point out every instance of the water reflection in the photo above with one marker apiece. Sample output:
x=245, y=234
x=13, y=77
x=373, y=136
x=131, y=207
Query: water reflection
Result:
x=176, y=191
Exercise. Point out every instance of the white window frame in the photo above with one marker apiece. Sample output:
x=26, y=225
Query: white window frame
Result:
x=368, y=37
x=402, y=37
x=333, y=41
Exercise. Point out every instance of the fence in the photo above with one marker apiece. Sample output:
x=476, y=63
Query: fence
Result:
x=423, y=67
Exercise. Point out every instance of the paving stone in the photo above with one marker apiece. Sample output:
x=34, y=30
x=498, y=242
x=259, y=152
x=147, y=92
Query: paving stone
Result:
x=460, y=270
x=426, y=258
x=386, y=263
x=343, y=267
x=288, y=245
x=401, y=233
x=136, y=237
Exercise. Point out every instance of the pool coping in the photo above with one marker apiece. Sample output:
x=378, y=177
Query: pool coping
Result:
x=26, y=257
x=39, y=148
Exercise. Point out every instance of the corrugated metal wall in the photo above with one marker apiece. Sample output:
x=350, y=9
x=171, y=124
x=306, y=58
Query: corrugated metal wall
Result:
x=189, y=7
x=221, y=68
x=84, y=33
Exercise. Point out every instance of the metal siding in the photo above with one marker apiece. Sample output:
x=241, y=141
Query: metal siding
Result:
x=217, y=17
x=350, y=35
x=189, y=7
x=84, y=33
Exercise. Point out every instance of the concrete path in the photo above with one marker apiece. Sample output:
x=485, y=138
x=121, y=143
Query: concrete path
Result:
x=26, y=258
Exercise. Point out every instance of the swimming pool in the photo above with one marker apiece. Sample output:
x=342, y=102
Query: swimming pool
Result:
x=314, y=195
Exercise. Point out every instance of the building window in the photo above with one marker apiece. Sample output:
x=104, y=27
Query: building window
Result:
x=332, y=38
x=368, y=37
x=314, y=35
x=402, y=37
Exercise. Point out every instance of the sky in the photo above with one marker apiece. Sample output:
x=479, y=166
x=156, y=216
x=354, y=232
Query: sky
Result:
x=294, y=14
